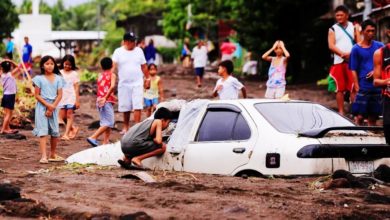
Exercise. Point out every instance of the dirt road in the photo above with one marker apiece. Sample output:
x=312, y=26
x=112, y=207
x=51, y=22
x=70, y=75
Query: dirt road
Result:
x=58, y=191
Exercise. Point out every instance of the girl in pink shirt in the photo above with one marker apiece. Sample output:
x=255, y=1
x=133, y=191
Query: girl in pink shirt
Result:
x=70, y=96
x=8, y=83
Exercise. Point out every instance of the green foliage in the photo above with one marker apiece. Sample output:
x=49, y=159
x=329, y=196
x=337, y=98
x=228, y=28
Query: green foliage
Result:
x=174, y=19
x=88, y=76
x=80, y=17
x=9, y=18
x=2, y=48
x=25, y=7
x=168, y=54
x=120, y=10
x=205, y=15
x=113, y=37
x=258, y=25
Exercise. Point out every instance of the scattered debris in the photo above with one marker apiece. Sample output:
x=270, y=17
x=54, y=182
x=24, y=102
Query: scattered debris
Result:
x=377, y=198
x=144, y=176
x=40, y=171
x=6, y=158
x=9, y=192
x=383, y=173
x=235, y=209
x=136, y=215
x=15, y=136
x=94, y=125
x=345, y=179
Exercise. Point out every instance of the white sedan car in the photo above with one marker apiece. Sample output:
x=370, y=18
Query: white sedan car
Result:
x=260, y=137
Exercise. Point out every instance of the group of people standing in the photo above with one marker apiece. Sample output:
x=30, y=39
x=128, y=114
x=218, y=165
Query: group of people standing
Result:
x=359, y=69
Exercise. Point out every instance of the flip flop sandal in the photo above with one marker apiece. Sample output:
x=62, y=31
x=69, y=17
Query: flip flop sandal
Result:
x=56, y=159
x=43, y=161
x=93, y=142
x=65, y=138
x=124, y=165
x=10, y=132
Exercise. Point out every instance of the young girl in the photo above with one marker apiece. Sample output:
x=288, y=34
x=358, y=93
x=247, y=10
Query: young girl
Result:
x=70, y=96
x=155, y=93
x=48, y=92
x=9, y=92
x=276, y=84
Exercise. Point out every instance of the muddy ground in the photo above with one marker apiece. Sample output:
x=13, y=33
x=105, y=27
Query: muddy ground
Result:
x=57, y=191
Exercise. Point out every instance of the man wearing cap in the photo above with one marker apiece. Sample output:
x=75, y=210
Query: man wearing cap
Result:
x=130, y=62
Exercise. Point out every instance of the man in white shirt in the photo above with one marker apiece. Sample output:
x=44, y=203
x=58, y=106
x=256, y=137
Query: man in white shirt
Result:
x=199, y=55
x=227, y=86
x=130, y=62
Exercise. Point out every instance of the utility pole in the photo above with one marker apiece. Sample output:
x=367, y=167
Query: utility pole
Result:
x=98, y=21
x=367, y=9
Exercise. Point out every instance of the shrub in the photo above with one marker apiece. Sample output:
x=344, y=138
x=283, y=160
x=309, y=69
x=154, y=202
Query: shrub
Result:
x=168, y=54
x=88, y=76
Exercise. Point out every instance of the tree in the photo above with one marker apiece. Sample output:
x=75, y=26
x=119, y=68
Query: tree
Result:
x=120, y=10
x=258, y=24
x=205, y=16
x=9, y=18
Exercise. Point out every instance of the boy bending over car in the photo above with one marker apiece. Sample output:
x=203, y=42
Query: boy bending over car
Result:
x=144, y=139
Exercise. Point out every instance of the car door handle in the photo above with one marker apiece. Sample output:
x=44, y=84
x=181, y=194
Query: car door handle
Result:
x=239, y=150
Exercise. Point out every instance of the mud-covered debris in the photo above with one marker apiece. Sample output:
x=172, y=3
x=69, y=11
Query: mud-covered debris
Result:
x=235, y=209
x=377, y=198
x=40, y=171
x=383, y=173
x=144, y=176
x=9, y=192
x=25, y=208
x=136, y=216
x=94, y=125
x=15, y=136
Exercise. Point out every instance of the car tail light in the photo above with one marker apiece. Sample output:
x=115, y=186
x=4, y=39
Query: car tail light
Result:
x=272, y=160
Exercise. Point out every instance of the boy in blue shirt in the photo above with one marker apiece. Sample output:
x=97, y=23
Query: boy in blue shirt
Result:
x=367, y=103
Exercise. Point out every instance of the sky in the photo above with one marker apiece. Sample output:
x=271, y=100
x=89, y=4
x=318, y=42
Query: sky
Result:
x=67, y=3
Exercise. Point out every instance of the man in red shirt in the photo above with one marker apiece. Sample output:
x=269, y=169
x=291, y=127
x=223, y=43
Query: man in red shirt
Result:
x=227, y=50
x=382, y=79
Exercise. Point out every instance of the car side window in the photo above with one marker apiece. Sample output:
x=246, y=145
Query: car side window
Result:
x=223, y=125
x=241, y=129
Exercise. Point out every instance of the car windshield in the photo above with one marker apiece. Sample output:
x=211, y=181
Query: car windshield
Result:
x=296, y=117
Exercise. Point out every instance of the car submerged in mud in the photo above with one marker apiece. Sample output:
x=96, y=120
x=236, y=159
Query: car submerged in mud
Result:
x=258, y=137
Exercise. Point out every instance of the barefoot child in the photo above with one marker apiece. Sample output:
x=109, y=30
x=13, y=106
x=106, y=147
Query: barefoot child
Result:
x=9, y=92
x=276, y=84
x=48, y=92
x=70, y=96
x=104, y=102
x=144, y=139
x=227, y=86
x=155, y=93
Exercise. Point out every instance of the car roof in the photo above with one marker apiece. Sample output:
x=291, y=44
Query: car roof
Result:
x=255, y=101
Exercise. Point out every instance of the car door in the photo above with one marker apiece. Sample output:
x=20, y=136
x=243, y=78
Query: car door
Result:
x=223, y=142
